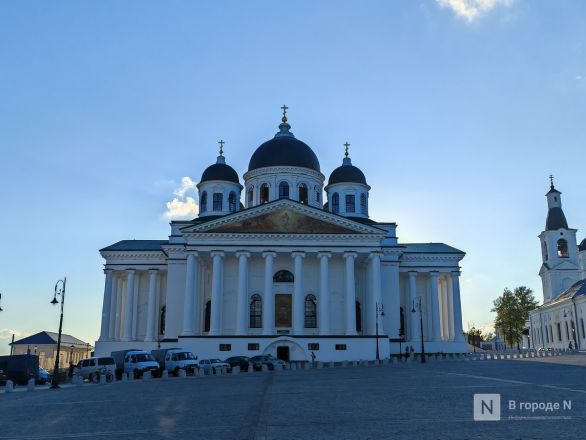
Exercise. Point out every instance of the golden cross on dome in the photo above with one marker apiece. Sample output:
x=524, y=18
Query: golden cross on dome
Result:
x=221, y=142
x=346, y=145
x=284, y=108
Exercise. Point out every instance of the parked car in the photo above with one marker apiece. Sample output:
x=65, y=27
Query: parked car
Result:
x=135, y=362
x=212, y=366
x=239, y=361
x=175, y=359
x=270, y=361
x=19, y=368
x=86, y=368
x=44, y=376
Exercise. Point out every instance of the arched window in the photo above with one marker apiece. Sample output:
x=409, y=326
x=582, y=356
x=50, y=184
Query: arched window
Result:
x=310, y=312
x=350, y=203
x=317, y=193
x=162, y=320
x=283, y=276
x=207, y=317
x=363, y=206
x=264, y=193
x=255, y=311
x=358, y=317
x=335, y=203
x=203, y=202
x=563, y=248
x=303, y=193
x=283, y=190
x=232, y=202
x=218, y=201
x=250, y=196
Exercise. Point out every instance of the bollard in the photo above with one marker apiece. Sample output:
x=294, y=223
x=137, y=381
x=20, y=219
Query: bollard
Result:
x=124, y=377
x=9, y=387
x=181, y=373
x=320, y=365
x=294, y=366
x=201, y=372
x=165, y=375
x=385, y=361
x=264, y=368
x=30, y=385
x=102, y=379
x=236, y=370
x=331, y=365
x=147, y=375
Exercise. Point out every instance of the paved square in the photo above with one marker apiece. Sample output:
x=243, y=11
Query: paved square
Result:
x=406, y=401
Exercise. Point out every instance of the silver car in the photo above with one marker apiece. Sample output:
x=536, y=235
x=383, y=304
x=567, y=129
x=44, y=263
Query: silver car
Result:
x=213, y=366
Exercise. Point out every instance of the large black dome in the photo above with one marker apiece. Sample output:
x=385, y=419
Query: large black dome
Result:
x=284, y=150
x=220, y=171
x=582, y=246
x=347, y=174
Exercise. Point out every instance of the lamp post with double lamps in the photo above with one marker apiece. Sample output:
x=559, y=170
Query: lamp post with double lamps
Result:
x=379, y=312
x=418, y=304
x=59, y=290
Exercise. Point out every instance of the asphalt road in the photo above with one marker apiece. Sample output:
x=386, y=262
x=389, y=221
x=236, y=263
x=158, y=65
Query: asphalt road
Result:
x=406, y=401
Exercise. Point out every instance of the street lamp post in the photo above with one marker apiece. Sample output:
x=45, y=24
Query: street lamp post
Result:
x=378, y=312
x=420, y=326
x=60, y=292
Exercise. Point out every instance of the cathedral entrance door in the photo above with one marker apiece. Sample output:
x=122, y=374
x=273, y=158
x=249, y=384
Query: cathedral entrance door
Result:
x=283, y=353
x=283, y=310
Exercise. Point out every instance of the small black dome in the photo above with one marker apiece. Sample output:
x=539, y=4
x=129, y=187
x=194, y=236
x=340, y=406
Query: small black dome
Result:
x=347, y=173
x=284, y=150
x=582, y=246
x=556, y=219
x=220, y=171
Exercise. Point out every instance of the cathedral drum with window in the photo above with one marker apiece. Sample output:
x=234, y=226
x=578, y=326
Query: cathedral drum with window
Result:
x=284, y=273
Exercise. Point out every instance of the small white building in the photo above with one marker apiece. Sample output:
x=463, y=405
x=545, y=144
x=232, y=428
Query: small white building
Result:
x=559, y=321
x=284, y=273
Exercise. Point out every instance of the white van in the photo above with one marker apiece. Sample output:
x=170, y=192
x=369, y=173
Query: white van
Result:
x=86, y=368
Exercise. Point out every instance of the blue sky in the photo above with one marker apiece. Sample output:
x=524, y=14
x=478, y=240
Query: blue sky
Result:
x=457, y=112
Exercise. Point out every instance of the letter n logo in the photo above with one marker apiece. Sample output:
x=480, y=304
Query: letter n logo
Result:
x=487, y=407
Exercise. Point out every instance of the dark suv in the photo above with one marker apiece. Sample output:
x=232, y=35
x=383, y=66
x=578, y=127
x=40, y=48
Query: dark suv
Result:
x=238, y=361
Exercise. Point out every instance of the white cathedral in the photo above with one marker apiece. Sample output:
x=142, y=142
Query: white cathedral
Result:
x=285, y=274
x=559, y=321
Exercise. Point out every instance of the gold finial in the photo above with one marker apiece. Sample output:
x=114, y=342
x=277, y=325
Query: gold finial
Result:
x=551, y=180
x=346, y=145
x=284, y=108
x=221, y=142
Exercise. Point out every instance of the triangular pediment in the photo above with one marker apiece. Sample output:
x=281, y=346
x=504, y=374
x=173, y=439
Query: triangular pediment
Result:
x=283, y=217
x=566, y=265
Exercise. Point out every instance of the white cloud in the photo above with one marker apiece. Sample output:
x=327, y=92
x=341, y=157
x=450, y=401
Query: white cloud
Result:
x=470, y=10
x=183, y=206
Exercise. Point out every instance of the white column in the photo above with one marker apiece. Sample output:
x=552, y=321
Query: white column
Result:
x=435, y=311
x=298, y=299
x=375, y=290
x=215, y=324
x=458, y=334
x=323, y=310
x=151, y=306
x=113, y=306
x=128, y=306
x=413, y=301
x=350, y=296
x=191, y=283
x=450, y=295
x=444, y=309
x=106, y=306
x=242, y=299
x=268, y=309
x=119, y=308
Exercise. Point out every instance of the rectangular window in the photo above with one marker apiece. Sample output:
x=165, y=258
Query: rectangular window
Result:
x=218, y=198
x=350, y=203
x=225, y=347
x=253, y=347
x=313, y=347
x=340, y=346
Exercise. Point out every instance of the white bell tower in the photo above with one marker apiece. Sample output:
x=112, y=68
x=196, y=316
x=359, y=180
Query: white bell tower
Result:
x=560, y=268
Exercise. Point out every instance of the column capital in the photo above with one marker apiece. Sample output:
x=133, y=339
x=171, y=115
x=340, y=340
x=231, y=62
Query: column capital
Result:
x=217, y=253
x=190, y=252
x=374, y=255
x=153, y=271
x=296, y=254
x=324, y=254
x=434, y=273
x=266, y=254
x=242, y=254
x=455, y=273
x=350, y=254
x=108, y=271
x=412, y=273
x=131, y=270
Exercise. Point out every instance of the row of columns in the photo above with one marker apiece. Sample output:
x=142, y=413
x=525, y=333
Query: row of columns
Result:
x=191, y=293
x=113, y=323
x=451, y=309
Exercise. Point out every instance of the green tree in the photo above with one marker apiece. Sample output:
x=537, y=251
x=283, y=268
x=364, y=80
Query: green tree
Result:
x=512, y=310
